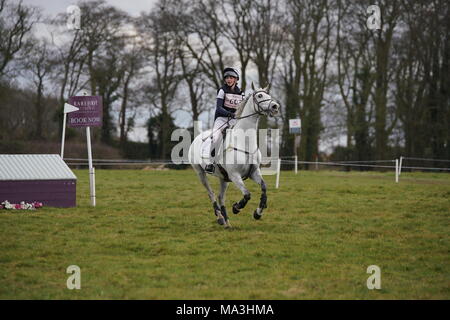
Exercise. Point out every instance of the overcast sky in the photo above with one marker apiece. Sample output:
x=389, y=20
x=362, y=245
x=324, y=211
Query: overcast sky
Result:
x=53, y=7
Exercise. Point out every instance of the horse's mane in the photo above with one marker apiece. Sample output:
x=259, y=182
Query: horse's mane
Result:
x=241, y=106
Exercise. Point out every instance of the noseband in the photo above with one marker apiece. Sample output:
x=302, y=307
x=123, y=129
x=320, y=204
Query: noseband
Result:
x=257, y=106
x=256, y=103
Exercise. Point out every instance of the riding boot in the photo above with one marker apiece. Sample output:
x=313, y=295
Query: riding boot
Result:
x=210, y=167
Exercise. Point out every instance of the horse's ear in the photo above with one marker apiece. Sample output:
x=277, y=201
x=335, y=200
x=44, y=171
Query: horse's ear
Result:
x=266, y=89
x=253, y=86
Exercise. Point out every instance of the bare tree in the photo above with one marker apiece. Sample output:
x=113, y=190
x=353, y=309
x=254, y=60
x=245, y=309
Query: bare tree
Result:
x=100, y=25
x=422, y=79
x=237, y=28
x=382, y=40
x=16, y=21
x=308, y=51
x=108, y=73
x=133, y=62
x=355, y=77
x=195, y=83
x=267, y=37
x=69, y=62
x=162, y=48
x=39, y=65
x=206, y=41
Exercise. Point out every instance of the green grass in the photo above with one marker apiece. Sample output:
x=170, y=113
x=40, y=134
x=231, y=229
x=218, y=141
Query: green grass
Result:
x=153, y=236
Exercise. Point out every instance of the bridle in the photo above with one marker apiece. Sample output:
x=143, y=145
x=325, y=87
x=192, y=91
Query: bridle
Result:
x=257, y=107
x=259, y=111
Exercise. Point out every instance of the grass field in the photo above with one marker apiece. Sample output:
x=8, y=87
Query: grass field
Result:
x=153, y=235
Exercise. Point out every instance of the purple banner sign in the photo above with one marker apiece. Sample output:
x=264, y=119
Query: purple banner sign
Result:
x=90, y=113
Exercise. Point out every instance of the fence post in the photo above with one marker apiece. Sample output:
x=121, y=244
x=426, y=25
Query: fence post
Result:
x=400, y=166
x=277, y=183
x=296, y=165
x=396, y=170
x=91, y=167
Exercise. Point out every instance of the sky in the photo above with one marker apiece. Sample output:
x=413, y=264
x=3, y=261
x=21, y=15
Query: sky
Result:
x=52, y=7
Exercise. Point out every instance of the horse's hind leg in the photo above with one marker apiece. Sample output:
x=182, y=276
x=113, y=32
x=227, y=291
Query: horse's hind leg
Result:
x=204, y=180
x=223, y=189
x=237, y=206
x=257, y=177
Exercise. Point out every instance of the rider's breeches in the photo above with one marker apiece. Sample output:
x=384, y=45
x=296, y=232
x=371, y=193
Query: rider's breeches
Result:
x=220, y=124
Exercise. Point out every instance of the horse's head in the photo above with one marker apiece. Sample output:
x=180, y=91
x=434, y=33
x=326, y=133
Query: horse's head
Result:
x=264, y=103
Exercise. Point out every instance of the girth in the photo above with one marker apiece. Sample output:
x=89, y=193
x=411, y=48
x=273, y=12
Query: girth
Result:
x=227, y=178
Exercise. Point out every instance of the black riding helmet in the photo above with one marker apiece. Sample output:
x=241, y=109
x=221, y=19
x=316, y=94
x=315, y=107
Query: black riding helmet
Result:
x=230, y=72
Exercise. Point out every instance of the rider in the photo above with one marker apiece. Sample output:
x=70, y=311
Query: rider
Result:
x=228, y=98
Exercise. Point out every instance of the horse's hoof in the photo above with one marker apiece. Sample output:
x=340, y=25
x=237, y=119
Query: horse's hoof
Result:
x=256, y=215
x=221, y=221
x=235, y=208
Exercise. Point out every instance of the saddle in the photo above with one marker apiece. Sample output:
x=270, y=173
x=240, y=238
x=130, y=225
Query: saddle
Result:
x=220, y=147
x=207, y=145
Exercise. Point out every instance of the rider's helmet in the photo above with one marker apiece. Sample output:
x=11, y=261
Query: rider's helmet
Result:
x=230, y=72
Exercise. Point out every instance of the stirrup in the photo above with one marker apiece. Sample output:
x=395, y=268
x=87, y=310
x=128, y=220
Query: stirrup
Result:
x=209, y=168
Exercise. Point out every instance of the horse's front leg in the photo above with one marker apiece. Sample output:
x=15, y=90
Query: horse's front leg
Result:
x=223, y=190
x=257, y=177
x=204, y=180
x=237, y=180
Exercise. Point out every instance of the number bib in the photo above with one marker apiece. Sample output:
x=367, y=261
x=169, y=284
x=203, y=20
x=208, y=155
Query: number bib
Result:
x=232, y=100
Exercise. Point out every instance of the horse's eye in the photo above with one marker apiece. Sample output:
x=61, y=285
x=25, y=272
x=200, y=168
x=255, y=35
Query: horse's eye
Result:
x=260, y=95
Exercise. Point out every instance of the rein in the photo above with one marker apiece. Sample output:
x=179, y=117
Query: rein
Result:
x=258, y=110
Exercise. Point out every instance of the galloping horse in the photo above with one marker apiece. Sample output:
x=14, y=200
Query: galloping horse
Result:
x=246, y=157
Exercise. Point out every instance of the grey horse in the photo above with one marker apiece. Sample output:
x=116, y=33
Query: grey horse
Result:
x=241, y=157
